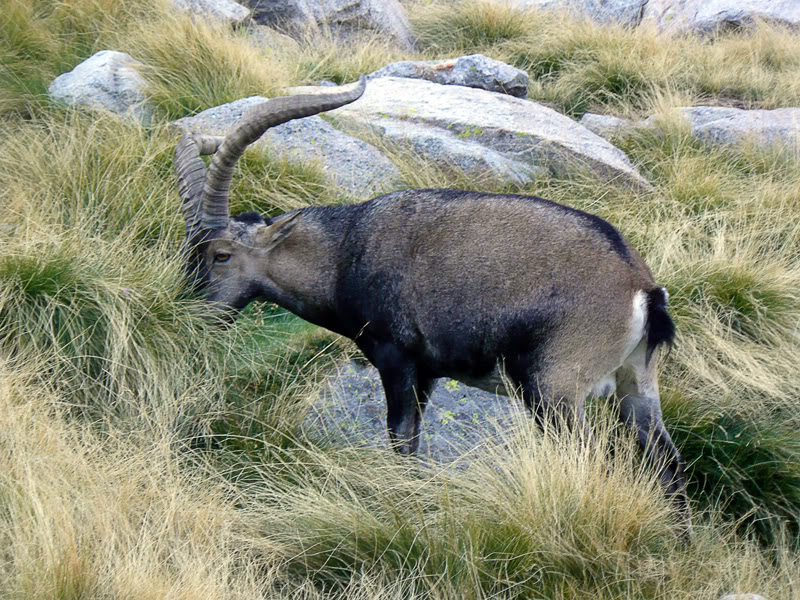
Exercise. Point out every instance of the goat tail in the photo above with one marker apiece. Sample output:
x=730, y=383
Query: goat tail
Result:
x=660, y=327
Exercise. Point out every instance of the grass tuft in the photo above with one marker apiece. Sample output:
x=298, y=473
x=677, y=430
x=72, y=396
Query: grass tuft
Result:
x=200, y=65
x=468, y=27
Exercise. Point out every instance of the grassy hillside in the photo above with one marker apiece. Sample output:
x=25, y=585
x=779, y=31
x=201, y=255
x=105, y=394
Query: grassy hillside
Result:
x=147, y=453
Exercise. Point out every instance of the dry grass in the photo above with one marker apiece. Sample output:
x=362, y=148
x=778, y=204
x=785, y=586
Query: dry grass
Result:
x=199, y=65
x=87, y=516
x=583, y=66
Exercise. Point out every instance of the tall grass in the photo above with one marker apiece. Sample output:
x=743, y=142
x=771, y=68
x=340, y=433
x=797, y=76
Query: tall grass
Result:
x=83, y=516
x=199, y=65
x=582, y=66
x=145, y=451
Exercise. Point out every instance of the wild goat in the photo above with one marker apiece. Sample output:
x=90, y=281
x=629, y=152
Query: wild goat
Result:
x=481, y=288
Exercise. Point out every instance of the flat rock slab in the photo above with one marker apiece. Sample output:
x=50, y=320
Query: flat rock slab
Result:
x=475, y=71
x=107, y=80
x=765, y=128
x=709, y=16
x=349, y=162
x=719, y=125
x=716, y=125
x=457, y=420
x=520, y=130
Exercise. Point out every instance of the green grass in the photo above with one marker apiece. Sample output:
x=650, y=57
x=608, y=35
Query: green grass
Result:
x=146, y=451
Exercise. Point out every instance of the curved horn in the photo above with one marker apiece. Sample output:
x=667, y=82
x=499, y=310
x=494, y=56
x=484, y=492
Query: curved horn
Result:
x=191, y=172
x=214, y=210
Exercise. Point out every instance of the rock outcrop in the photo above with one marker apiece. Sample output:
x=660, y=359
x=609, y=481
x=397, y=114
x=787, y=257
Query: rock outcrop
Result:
x=765, y=128
x=702, y=17
x=716, y=125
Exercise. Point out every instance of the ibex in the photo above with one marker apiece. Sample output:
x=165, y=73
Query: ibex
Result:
x=482, y=288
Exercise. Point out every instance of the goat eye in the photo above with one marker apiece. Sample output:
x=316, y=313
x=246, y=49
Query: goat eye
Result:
x=222, y=257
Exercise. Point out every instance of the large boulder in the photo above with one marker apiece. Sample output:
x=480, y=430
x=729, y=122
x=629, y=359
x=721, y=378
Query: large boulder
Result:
x=522, y=131
x=625, y=12
x=108, y=80
x=341, y=17
x=226, y=11
x=476, y=71
x=710, y=16
x=348, y=162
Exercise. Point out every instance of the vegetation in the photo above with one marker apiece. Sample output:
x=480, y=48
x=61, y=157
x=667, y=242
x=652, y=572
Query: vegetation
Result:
x=146, y=452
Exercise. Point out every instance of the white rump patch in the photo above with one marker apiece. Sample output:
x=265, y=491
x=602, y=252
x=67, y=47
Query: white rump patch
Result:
x=636, y=329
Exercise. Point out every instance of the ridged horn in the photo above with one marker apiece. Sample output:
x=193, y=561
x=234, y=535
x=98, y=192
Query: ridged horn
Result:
x=214, y=210
x=191, y=171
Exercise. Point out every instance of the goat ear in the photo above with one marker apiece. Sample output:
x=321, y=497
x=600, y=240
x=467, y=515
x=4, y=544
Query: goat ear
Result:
x=271, y=235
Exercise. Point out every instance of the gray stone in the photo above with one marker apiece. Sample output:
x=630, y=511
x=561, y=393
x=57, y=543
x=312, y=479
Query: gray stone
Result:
x=349, y=162
x=606, y=126
x=441, y=146
x=341, y=17
x=709, y=16
x=457, y=419
x=779, y=127
x=107, y=80
x=226, y=11
x=475, y=71
x=520, y=130
x=625, y=12
x=724, y=126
